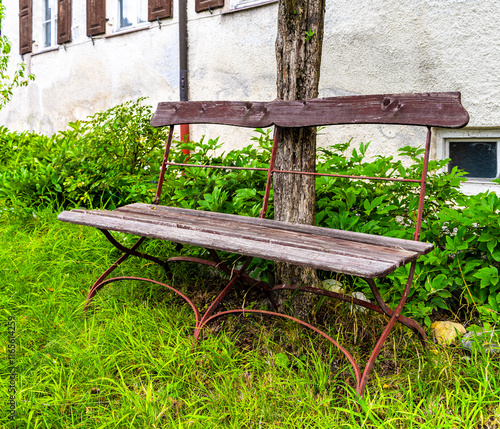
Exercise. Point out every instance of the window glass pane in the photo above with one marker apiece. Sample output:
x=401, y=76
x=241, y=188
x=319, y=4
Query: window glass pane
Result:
x=47, y=10
x=47, y=34
x=479, y=159
x=49, y=23
x=142, y=13
x=126, y=13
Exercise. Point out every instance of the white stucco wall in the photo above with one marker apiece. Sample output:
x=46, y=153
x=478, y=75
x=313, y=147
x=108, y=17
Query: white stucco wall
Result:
x=396, y=46
x=81, y=78
x=376, y=46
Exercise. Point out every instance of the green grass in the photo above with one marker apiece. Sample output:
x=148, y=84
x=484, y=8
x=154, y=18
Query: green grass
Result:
x=130, y=361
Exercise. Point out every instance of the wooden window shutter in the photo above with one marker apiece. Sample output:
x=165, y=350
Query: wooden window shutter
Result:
x=159, y=9
x=201, y=5
x=63, y=21
x=25, y=26
x=96, y=17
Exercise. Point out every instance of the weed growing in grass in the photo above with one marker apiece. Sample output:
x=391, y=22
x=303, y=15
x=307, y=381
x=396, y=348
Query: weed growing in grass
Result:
x=130, y=361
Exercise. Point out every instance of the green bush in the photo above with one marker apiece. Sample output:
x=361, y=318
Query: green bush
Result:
x=108, y=160
x=459, y=276
x=461, y=273
x=223, y=190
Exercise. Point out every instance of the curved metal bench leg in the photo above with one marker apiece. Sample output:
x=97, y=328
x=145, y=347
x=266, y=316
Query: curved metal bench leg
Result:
x=201, y=321
x=330, y=294
x=131, y=251
x=410, y=323
x=98, y=283
x=220, y=297
x=126, y=253
x=354, y=365
x=381, y=308
x=247, y=279
x=220, y=265
x=193, y=307
x=378, y=347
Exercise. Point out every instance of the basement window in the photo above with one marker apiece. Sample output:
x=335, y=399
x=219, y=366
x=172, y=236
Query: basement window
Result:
x=475, y=151
x=478, y=158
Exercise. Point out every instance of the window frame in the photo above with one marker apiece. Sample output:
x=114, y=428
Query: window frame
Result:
x=97, y=17
x=52, y=21
x=235, y=5
x=473, y=185
x=136, y=23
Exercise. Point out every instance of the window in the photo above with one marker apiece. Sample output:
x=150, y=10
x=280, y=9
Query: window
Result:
x=128, y=13
x=478, y=158
x=132, y=12
x=49, y=24
x=244, y=4
x=475, y=151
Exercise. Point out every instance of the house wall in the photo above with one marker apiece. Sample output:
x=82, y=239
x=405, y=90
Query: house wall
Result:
x=394, y=46
x=376, y=46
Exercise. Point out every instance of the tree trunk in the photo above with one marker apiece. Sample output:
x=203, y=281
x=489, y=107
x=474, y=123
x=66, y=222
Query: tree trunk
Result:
x=298, y=52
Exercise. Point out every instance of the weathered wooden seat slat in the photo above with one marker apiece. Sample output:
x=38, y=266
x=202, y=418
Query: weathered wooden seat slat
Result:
x=368, y=256
x=322, y=248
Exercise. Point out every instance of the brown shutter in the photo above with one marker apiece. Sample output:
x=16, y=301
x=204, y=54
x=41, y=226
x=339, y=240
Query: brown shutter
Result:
x=63, y=21
x=159, y=9
x=96, y=17
x=25, y=26
x=201, y=5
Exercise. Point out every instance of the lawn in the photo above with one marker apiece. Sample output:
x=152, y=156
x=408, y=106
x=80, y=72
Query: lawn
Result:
x=130, y=361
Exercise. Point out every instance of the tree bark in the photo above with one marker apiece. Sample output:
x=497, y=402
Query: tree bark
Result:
x=298, y=52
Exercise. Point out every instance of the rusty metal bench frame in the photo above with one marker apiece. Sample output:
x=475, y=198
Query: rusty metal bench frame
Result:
x=363, y=255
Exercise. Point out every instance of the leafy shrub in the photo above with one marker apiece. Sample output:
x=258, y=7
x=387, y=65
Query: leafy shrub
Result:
x=223, y=190
x=10, y=78
x=108, y=160
x=468, y=255
x=461, y=273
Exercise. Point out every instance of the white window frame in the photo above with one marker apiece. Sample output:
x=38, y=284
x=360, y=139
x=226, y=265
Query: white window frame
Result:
x=473, y=185
x=134, y=16
x=51, y=22
x=245, y=4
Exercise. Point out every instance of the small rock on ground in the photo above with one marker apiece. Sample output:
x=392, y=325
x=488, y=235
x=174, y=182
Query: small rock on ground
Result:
x=447, y=332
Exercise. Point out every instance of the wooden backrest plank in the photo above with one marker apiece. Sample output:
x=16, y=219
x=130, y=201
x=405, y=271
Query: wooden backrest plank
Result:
x=238, y=113
x=441, y=109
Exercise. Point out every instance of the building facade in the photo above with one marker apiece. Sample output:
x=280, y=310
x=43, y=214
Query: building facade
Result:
x=89, y=55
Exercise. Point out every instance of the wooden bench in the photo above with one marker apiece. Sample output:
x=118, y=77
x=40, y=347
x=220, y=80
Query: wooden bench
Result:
x=363, y=255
